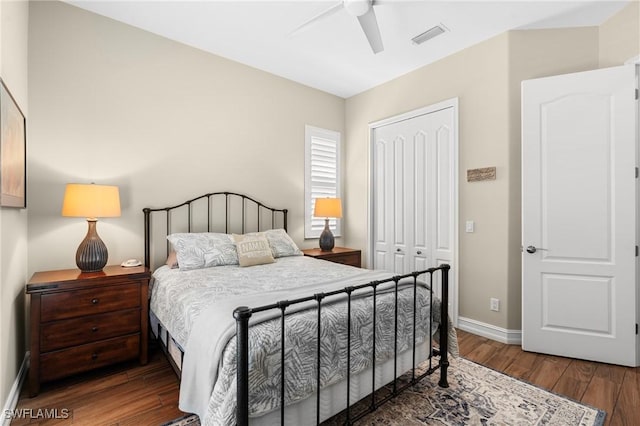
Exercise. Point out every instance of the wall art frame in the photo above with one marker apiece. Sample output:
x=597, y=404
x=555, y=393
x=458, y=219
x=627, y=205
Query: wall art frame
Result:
x=13, y=151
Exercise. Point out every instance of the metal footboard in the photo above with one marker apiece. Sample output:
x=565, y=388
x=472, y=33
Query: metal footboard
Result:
x=243, y=314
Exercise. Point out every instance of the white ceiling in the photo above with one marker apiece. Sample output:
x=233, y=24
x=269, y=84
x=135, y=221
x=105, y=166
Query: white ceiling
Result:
x=333, y=54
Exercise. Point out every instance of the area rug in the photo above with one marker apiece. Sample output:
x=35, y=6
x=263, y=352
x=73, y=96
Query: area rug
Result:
x=477, y=395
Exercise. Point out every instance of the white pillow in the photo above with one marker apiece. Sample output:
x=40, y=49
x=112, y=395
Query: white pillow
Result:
x=203, y=250
x=253, y=249
x=280, y=242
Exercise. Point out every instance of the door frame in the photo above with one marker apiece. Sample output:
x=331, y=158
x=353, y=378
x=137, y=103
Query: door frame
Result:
x=453, y=277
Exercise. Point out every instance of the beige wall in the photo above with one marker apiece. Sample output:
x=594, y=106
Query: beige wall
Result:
x=620, y=36
x=486, y=78
x=13, y=222
x=534, y=54
x=117, y=105
x=541, y=53
x=477, y=77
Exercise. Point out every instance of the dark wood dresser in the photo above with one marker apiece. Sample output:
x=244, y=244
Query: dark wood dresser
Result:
x=343, y=255
x=81, y=321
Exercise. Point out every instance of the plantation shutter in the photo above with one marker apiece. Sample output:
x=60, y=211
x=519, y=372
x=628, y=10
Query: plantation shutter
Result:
x=322, y=176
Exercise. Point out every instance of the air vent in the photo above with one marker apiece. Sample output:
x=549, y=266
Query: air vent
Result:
x=429, y=34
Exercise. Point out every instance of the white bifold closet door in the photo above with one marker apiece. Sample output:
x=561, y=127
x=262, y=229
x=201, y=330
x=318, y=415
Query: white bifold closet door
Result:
x=413, y=197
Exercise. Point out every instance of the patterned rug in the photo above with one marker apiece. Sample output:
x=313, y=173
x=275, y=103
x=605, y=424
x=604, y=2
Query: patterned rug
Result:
x=476, y=395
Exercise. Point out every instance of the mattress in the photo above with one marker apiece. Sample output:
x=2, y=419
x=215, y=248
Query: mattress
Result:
x=191, y=304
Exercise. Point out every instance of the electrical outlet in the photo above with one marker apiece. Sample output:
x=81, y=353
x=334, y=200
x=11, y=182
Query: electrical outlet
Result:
x=494, y=304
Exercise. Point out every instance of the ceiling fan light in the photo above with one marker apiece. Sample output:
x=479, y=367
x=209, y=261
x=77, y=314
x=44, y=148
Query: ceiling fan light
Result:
x=428, y=35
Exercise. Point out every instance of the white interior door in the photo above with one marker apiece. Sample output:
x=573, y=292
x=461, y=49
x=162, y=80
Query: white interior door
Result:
x=579, y=209
x=413, y=192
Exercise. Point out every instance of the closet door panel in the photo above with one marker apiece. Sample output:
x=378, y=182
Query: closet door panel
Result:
x=443, y=229
x=383, y=194
x=399, y=194
x=419, y=206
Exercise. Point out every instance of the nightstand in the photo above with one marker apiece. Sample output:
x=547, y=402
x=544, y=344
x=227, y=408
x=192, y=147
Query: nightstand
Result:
x=81, y=321
x=343, y=255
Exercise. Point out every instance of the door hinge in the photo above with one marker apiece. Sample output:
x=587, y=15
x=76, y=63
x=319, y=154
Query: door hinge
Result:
x=636, y=328
x=637, y=93
x=637, y=251
x=637, y=173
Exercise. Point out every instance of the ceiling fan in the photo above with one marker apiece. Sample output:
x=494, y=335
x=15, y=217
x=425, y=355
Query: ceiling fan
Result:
x=361, y=9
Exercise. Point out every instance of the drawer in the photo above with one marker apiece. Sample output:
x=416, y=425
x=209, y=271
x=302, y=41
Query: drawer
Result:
x=54, y=365
x=78, y=331
x=352, y=260
x=75, y=303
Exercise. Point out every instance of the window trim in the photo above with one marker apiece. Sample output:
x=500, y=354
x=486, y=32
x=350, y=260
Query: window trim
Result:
x=311, y=132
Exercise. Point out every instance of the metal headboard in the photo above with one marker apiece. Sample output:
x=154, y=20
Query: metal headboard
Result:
x=212, y=212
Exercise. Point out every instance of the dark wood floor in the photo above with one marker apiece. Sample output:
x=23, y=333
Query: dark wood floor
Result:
x=127, y=394
x=148, y=395
x=611, y=388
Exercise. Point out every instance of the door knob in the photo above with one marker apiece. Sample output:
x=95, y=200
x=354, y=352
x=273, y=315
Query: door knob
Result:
x=533, y=249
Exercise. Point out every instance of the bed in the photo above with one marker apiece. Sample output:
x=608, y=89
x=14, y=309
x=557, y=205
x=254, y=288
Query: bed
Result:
x=231, y=331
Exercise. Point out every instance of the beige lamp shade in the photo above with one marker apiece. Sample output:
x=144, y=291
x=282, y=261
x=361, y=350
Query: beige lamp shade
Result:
x=91, y=200
x=328, y=207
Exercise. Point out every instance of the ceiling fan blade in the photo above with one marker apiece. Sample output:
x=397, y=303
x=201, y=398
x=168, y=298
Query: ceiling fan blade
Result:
x=369, y=25
x=333, y=9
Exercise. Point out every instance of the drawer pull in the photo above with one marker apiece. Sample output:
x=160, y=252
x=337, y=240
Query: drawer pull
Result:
x=94, y=356
x=95, y=301
x=94, y=329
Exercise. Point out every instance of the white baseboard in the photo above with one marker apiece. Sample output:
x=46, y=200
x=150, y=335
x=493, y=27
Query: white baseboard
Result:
x=499, y=334
x=14, y=394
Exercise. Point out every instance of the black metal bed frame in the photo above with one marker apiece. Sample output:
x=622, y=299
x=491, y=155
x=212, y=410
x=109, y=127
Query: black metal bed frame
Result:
x=243, y=314
x=228, y=196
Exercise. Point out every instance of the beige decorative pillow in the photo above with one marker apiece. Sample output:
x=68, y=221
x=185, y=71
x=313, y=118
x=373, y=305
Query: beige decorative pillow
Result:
x=253, y=249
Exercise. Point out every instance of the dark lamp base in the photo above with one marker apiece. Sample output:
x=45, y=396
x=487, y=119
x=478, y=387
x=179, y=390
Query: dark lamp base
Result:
x=92, y=253
x=327, y=242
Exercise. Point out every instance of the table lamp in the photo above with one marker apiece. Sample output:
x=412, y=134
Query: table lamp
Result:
x=327, y=208
x=91, y=201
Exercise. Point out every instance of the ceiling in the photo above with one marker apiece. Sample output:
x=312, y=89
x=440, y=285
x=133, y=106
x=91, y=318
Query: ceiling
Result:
x=333, y=54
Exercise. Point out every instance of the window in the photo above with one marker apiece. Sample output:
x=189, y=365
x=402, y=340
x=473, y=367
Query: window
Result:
x=322, y=177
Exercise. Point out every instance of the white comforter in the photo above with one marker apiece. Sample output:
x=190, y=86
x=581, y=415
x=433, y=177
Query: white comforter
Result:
x=196, y=307
x=177, y=297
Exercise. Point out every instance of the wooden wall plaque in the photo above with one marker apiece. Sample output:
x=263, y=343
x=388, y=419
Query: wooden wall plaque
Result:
x=477, y=175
